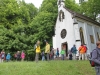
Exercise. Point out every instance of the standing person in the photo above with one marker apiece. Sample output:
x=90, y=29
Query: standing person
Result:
x=43, y=56
x=2, y=55
x=22, y=56
x=74, y=52
x=70, y=55
x=47, y=50
x=62, y=52
x=96, y=58
x=85, y=48
x=8, y=57
x=38, y=51
x=57, y=53
x=81, y=52
x=15, y=56
x=52, y=54
x=18, y=56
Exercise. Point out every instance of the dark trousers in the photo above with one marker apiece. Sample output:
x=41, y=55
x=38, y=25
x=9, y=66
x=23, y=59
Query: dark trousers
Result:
x=97, y=71
x=47, y=56
x=18, y=58
x=62, y=56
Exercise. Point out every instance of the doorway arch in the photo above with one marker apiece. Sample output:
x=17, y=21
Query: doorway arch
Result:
x=65, y=45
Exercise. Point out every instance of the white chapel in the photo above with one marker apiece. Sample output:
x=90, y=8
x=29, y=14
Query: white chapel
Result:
x=74, y=28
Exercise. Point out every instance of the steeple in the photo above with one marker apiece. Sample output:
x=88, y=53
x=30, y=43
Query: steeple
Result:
x=61, y=3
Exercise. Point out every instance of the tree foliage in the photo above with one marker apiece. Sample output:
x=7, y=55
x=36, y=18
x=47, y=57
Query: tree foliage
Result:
x=91, y=8
x=15, y=31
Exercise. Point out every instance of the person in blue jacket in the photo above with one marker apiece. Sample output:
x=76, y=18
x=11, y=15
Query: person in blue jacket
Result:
x=8, y=57
x=74, y=52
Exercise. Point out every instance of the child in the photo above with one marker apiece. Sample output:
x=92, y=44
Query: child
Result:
x=57, y=53
x=43, y=56
x=22, y=56
x=8, y=57
x=2, y=55
x=62, y=53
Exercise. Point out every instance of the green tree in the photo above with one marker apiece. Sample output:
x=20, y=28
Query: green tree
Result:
x=90, y=8
x=72, y=5
x=43, y=24
x=15, y=30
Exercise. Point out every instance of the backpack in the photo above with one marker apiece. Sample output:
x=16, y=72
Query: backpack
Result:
x=72, y=50
x=85, y=48
x=35, y=47
x=92, y=63
x=3, y=56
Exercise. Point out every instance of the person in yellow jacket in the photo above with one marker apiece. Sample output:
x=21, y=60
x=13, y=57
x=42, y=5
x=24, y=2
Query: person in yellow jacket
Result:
x=47, y=50
x=38, y=51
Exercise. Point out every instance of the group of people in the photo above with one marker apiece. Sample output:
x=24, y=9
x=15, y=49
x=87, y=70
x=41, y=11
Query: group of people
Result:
x=95, y=55
x=3, y=56
x=18, y=56
x=38, y=51
x=82, y=52
x=48, y=54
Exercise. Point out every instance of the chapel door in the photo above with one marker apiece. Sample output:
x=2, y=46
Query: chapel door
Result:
x=66, y=48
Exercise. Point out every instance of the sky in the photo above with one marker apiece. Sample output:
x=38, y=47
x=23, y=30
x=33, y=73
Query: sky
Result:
x=37, y=3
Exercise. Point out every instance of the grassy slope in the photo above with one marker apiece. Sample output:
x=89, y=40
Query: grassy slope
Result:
x=47, y=68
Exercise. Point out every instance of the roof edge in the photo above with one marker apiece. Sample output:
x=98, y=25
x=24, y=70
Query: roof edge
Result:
x=78, y=15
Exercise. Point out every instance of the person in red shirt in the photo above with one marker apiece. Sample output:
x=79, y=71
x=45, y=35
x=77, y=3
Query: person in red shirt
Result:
x=85, y=48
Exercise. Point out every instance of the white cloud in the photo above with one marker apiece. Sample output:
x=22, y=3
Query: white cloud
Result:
x=37, y=3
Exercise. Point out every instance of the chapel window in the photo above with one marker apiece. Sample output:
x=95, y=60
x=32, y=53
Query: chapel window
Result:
x=82, y=35
x=98, y=36
x=92, y=39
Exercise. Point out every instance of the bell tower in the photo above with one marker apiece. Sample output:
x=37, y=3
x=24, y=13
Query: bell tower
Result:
x=61, y=3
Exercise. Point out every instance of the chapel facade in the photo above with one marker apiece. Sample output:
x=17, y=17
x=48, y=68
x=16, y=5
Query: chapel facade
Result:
x=74, y=28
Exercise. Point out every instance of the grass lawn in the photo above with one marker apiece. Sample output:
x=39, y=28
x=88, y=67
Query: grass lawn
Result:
x=47, y=68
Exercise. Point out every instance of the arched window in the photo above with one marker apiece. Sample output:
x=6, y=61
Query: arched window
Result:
x=98, y=36
x=81, y=35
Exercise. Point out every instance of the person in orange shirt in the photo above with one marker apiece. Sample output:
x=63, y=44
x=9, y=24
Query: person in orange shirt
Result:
x=38, y=51
x=81, y=52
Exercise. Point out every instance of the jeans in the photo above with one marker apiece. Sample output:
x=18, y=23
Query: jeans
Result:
x=74, y=56
x=62, y=56
x=43, y=58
